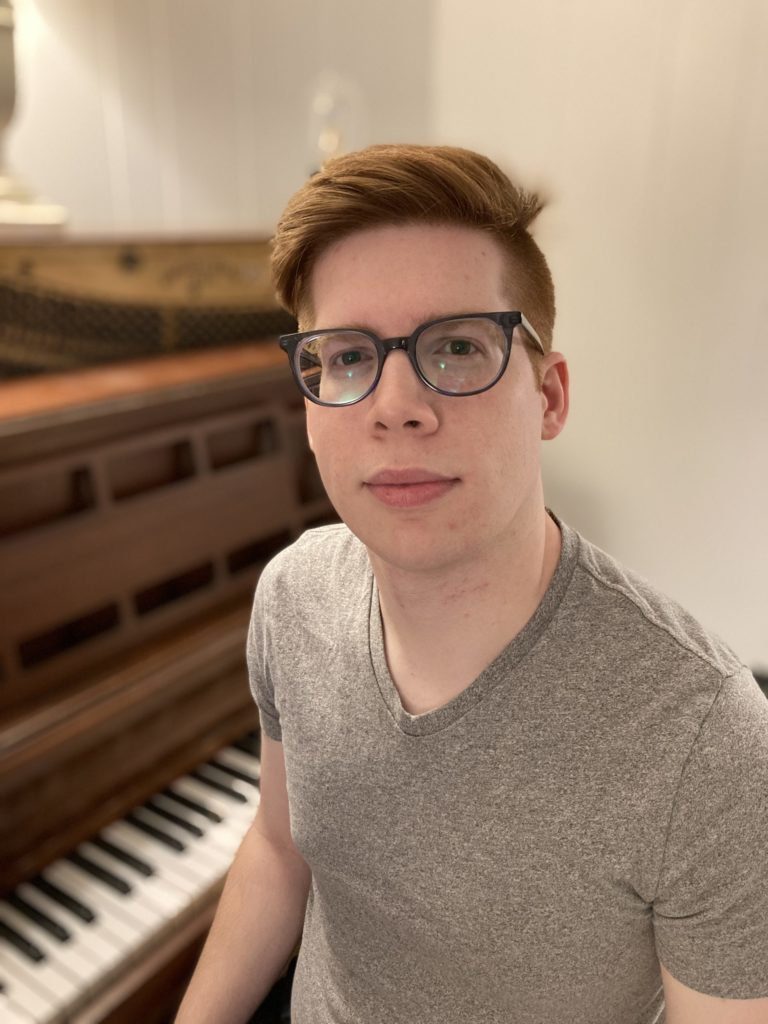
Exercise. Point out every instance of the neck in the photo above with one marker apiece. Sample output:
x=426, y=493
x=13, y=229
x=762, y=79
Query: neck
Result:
x=443, y=627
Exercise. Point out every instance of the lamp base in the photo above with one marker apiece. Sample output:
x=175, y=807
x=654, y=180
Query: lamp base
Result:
x=20, y=208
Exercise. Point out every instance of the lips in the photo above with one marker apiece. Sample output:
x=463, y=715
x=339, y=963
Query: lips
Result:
x=408, y=488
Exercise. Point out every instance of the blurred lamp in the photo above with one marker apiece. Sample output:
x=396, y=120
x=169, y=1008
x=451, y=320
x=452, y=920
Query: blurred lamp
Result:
x=19, y=208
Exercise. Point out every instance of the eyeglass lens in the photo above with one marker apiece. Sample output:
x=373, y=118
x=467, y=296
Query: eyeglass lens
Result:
x=455, y=356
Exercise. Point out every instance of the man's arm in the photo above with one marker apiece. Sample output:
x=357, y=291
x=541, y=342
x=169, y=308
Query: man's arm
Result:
x=685, y=1006
x=260, y=914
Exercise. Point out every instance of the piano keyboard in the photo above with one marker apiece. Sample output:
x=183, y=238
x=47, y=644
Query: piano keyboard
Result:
x=63, y=933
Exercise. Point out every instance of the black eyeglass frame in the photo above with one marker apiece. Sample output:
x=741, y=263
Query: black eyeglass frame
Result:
x=507, y=320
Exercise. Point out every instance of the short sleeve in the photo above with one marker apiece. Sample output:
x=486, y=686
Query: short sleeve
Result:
x=711, y=905
x=259, y=675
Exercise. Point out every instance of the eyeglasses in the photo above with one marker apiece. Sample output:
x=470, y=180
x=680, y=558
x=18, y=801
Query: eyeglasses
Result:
x=456, y=355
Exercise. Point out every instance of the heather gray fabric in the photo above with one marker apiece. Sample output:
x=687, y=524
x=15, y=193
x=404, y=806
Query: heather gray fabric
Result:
x=597, y=798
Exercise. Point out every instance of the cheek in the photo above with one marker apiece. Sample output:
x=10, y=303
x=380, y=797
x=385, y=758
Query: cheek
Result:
x=329, y=440
x=509, y=449
x=320, y=431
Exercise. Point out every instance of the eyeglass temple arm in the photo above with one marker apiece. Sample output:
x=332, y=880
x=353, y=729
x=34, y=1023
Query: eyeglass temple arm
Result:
x=531, y=332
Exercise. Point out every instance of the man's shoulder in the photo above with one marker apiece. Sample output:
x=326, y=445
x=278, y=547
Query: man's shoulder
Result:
x=623, y=604
x=317, y=561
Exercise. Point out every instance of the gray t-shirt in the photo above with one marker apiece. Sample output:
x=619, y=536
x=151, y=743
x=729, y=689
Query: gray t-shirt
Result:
x=594, y=802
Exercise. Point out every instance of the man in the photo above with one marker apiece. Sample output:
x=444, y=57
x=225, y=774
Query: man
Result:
x=503, y=779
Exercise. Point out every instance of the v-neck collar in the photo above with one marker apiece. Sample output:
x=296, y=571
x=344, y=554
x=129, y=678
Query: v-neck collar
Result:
x=500, y=669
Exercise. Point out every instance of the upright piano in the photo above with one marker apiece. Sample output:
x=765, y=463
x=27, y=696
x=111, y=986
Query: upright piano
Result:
x=138, y=503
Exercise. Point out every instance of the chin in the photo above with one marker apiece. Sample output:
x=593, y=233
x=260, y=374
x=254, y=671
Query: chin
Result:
x=405, y=549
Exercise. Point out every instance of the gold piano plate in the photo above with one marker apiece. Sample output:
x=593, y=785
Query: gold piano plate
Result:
x=73, y=303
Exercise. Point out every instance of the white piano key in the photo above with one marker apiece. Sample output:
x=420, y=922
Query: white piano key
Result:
x=139, y=918
x=128, y=930
x=240, y=814
x=244, y=789
x=240, y=761
x=184, y=873
x=198, y=862
x=222, y=832
x=37, y=992
x=27, y=1001
x=124, y=922
x=244, y=757
x=160, y=893
x=232, y=825
x=210, y=778
x=216, y=801
x=93, y=938
x=54, y=977
x=12, y=1014
x=64, y=955
x=146, y=917
x=213, y=852
x=186, y=786
x=199, y=847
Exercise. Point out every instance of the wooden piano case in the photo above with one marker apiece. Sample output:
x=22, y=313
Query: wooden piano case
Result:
x=138, y=505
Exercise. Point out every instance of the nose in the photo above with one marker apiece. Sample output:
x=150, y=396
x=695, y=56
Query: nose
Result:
x=401, y=401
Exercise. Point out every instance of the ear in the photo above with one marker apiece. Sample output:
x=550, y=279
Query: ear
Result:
x=554, y=395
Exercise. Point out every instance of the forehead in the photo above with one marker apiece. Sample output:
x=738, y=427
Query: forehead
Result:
x=392, y=278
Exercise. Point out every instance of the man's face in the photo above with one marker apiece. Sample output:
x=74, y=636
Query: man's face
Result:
x=428, y=481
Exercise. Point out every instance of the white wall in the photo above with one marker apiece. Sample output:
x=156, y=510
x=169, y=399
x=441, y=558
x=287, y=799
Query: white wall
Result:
x=186, y=116
x=646, y=122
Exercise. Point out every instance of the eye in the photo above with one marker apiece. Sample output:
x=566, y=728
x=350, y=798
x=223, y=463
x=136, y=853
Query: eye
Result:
x=350, y=357
x=453, y=347
x=349, y=360
x=458, y=347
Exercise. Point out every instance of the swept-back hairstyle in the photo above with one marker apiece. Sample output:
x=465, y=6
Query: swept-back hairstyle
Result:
x=405, y=184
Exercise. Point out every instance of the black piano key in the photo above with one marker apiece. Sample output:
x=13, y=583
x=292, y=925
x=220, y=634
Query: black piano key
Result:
x=156, y=833
x=24, y=947
x=175, y=818
x=97, y=871
x=220, y=787
x=117, y=851
x=65, y=900
x=43, y=920
x=193, y=805
x=236, y=773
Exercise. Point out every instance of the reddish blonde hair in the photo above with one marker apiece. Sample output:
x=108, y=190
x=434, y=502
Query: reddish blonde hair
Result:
x=405, y=184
